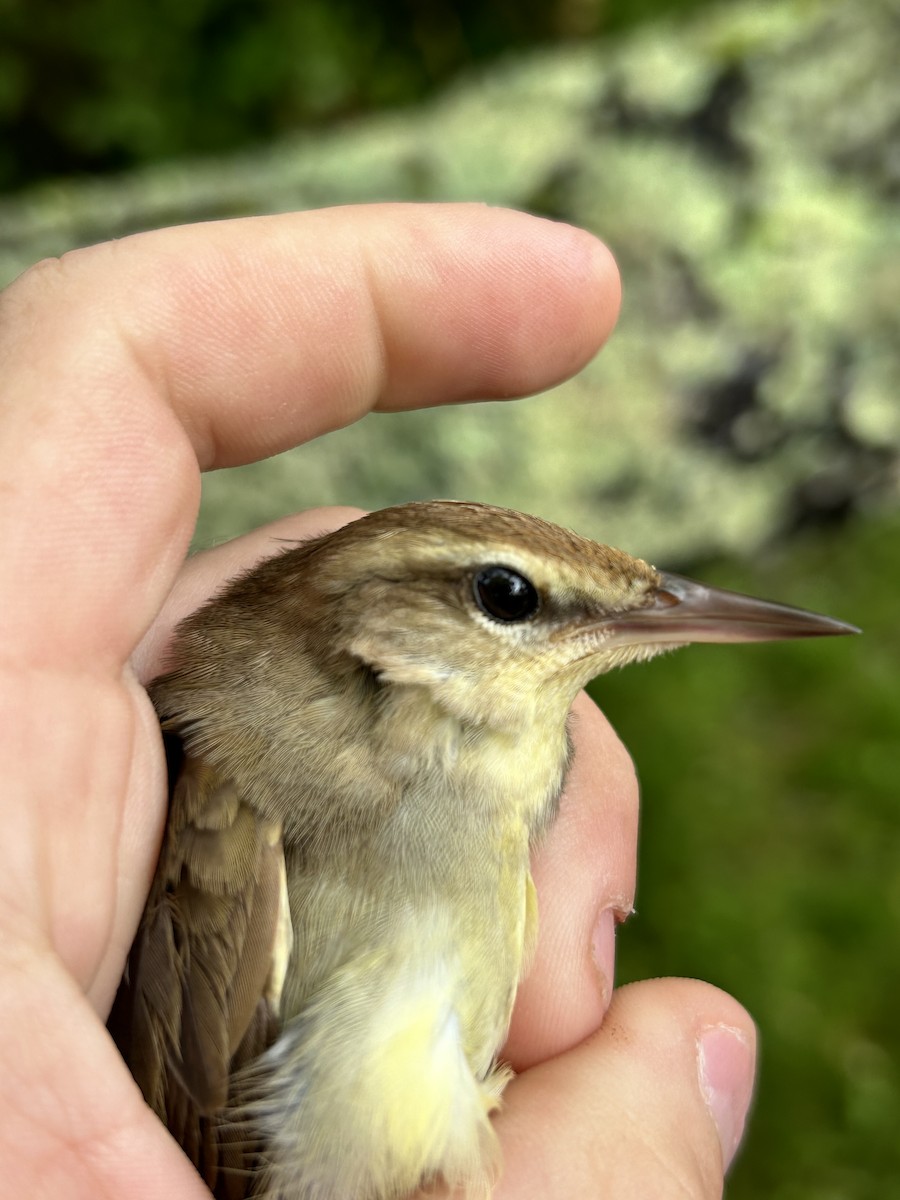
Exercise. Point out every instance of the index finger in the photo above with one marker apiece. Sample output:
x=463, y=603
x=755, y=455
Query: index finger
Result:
x=130, y=366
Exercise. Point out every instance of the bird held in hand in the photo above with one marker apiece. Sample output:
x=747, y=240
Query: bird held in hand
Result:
x=368, y=737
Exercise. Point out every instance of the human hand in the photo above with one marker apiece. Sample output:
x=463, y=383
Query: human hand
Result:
x=128, y=368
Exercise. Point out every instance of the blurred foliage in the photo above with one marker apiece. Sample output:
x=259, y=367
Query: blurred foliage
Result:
x=96, y=85
x=745, y=168
x=769, y=856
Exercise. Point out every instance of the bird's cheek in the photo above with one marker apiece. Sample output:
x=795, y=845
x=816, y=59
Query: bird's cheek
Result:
x=393, y=658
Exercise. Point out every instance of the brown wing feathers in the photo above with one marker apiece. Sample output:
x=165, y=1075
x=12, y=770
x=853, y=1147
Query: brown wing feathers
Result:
x=190, y=1008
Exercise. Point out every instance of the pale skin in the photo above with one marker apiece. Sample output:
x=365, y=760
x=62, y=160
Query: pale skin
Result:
x=127, y=369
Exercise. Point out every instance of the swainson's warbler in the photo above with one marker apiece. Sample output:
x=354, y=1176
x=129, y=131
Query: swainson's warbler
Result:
x=368, y=737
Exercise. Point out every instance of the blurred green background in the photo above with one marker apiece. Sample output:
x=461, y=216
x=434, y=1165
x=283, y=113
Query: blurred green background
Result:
x=743, y=161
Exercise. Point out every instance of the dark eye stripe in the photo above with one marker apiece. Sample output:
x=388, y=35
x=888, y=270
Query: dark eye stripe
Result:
x=505, y=595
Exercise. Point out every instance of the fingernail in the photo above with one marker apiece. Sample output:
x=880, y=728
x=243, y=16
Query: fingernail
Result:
x=725, y=1062
x=603, y=952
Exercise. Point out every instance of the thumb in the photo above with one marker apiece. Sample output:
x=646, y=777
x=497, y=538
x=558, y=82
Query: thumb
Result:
x=653, y=1104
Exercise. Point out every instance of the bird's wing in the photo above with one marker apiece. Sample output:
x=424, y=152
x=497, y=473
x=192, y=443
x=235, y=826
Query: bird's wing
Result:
x=201, y=992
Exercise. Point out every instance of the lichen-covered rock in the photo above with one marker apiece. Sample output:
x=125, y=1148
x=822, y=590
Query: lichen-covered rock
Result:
x=745, y=169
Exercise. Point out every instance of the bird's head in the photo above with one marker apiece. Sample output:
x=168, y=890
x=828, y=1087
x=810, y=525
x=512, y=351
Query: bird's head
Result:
x=501, y=617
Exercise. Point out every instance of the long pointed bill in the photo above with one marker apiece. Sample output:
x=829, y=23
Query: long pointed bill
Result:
x=685, y=611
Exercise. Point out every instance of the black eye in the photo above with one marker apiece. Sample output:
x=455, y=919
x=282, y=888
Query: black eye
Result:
x=505, y=595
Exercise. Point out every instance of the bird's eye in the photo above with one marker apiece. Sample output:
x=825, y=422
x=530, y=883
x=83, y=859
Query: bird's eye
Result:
x=505, y=595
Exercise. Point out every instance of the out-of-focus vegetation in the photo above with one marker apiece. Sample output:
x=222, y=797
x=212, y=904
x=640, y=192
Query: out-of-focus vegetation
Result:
x=770, y=856
x=744, y=423
x=96, y=85
x=744, y=167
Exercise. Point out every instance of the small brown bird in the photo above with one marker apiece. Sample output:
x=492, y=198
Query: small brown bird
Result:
x=368, y=737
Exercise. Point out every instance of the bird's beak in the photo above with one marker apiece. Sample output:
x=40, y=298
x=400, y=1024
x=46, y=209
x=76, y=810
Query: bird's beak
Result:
x=684, y=611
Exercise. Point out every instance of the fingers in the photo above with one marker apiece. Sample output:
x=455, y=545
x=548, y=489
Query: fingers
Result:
x=652, y=1105
x=74, y=1123
x=127, y=364
x=585, y=878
